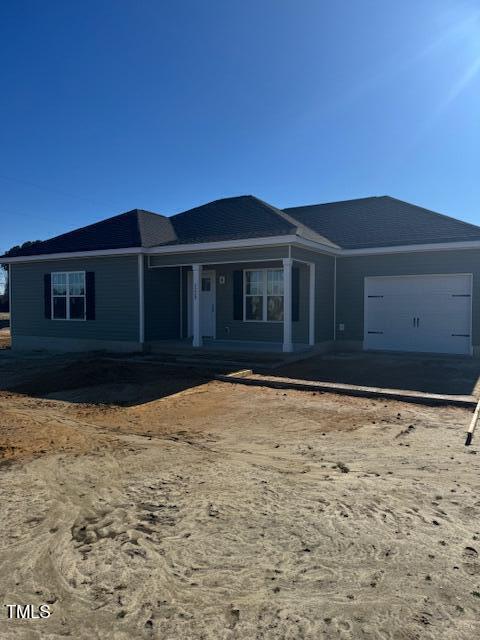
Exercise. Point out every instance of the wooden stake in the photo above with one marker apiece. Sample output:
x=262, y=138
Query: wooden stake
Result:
x=472, y=426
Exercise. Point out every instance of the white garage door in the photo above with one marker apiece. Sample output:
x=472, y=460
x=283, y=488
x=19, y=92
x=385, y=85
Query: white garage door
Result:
x=419, y=313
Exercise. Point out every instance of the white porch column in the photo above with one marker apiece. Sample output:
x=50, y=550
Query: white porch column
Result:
x=287, y=305
x=10, y=301
x=197, y=280
x=311, y=305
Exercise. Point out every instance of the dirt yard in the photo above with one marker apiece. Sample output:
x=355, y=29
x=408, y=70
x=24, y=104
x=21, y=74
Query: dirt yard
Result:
x=154, y=504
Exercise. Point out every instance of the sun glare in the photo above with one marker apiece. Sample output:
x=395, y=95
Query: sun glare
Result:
x=469, y=38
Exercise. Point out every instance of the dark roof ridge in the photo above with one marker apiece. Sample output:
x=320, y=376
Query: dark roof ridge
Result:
x=320, y=204
x=276, y=211
x=217, y=200
x=231, y=218
x=104, y=220
x=301, y=228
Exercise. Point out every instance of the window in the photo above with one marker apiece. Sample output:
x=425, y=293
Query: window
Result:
x=275, y=295
x=254, y=295
x=263, y=295
x=68, y=295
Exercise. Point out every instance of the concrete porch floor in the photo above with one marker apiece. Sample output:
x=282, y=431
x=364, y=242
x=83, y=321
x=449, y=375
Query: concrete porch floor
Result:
x=209, y=344
x=249, y=353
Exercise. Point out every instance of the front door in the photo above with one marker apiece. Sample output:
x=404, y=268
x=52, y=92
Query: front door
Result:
x=207, y=304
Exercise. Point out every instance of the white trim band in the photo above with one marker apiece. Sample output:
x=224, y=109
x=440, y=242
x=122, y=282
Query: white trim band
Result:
x=252, y=243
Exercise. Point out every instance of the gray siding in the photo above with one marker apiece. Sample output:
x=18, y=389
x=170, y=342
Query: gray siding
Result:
x=116, y=297
x=166, y=321
x=184, y=277
x=238, y=330
x=220, y=256
x=117, y=313
x=324, y=275
x=351, y=273
x=163, y=309
x=162, y=304
x=228, y=328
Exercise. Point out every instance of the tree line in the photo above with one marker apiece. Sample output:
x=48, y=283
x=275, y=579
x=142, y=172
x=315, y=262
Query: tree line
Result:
x=13, y=251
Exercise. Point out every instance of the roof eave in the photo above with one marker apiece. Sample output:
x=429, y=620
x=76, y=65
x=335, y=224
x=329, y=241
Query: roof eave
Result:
x=293, y=240
x=244, y=243
x=66, y=255
x=413, y=248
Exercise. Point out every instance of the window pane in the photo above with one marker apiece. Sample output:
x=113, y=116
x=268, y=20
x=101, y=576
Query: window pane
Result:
x=275, y=308
x=59, y=284
x=59, y=307
x=76, y=284
x=206, y=284
x=254, y=307
x=77, y=308
x=58, y=278
x=275, y=282
x=254, y=283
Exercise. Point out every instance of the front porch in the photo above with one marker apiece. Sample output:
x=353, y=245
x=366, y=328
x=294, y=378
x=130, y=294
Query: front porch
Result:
x=227, y=346
x=259, y=306
x=228, y=355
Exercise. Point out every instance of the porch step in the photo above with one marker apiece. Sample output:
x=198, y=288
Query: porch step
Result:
x=259, y=360
x=221, y=362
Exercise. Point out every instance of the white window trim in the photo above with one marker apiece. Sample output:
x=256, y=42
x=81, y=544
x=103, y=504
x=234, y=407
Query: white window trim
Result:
x=264, y=295
x=67, y=297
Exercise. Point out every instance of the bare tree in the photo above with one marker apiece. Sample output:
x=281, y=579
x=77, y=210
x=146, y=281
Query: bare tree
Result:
x=13, y=251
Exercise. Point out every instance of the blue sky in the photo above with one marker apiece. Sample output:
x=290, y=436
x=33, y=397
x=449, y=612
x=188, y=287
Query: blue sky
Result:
x=111, y=105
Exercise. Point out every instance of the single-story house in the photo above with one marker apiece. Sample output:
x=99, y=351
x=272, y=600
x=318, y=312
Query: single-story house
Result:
x=372, y=273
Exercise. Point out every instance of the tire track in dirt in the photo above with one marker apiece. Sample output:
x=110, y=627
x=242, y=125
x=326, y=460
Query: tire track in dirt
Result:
x=240, y=523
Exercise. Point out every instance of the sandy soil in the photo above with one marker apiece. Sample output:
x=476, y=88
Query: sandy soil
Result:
x=216, y=511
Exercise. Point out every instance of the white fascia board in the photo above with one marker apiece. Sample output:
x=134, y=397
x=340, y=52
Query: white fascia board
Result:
x=166, y=250
x=105, y=253
x=316, y=246
x=224, y=244
x=291, y=240
x=241, y=244
x=411, y=248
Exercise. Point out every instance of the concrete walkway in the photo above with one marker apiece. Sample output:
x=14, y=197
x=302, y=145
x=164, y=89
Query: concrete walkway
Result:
x=426, y=373
x=247, y=377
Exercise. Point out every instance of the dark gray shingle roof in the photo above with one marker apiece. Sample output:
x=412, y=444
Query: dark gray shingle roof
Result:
x=136, y=228
x=230, y=219
x=381, y=222
x=362, y=223
x=226, y=219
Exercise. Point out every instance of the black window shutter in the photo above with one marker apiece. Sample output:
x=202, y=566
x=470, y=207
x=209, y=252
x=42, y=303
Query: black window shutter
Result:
x=90, y=294
x=238, y=295
x=47, y=295
x=295, y=294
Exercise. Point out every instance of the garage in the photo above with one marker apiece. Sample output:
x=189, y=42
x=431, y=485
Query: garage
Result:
x=425, y=313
